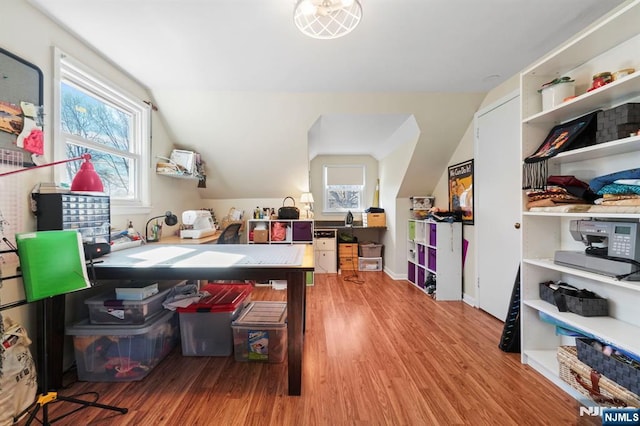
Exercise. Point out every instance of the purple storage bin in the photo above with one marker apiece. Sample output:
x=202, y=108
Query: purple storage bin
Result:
x=421, y=278
x=421, y=255
x=411, y=272
x=302, y=231
x=431, y=263
x=432, y=234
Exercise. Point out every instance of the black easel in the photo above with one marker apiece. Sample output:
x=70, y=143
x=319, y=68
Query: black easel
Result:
x=47, y=396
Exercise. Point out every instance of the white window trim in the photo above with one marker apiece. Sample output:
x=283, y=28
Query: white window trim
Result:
x=325, y=207
x=142, y=112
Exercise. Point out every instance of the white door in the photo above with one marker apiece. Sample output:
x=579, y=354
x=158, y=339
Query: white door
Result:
x=497, y=203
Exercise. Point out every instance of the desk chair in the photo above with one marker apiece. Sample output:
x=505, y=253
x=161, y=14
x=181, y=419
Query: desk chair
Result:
x=230, y=234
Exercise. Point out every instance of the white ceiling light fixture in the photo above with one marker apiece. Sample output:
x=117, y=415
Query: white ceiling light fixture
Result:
x=327, y=19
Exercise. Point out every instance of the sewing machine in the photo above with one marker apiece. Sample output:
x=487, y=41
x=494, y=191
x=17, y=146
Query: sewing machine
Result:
x=199, y=222
x=613, y=248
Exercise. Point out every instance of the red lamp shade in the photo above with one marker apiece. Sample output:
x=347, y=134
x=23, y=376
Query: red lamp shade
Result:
x=87, y=179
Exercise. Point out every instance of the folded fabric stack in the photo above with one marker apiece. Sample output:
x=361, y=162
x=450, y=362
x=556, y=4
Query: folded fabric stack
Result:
x=551, y=196
x=618, y=189
x=560, y=191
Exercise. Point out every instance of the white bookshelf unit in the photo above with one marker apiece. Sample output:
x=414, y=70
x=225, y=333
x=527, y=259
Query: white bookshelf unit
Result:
x=609, y=45
x=435, y=248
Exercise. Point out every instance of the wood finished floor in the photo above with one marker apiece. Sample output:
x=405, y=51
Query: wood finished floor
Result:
x=377, y=352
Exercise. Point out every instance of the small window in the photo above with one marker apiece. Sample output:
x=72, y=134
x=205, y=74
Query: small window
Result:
x=96, y=117
x=344, y=188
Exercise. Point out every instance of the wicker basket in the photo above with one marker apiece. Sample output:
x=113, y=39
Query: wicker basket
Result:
x=586, y=307
x=611, y=367
x=590, y=383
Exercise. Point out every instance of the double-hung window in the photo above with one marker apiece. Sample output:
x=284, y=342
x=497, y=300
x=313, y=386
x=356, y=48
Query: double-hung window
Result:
x=343, y=188
x=94, y=116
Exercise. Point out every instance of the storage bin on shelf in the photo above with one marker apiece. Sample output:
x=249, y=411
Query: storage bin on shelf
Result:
x=260, y=332
x=105, y=308
x=612, y=367
x=374, y=220
x=618, y=123
x=583, y=306
x=590, y=383
x=370, y=250
x=369, y=264
x=205, y=327
x=122, y=353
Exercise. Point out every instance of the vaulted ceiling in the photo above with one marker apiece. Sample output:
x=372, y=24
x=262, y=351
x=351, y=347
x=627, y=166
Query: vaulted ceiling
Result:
x=194, y=53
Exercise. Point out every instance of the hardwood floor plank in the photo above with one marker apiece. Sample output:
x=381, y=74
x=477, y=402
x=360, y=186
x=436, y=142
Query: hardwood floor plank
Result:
x=378, y=352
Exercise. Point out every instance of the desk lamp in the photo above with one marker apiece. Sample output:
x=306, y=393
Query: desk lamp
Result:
x=169, y=218
x=307, y=200
x=86, y=180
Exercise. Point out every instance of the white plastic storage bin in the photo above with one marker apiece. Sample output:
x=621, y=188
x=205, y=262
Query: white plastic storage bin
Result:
x=369, y=264
x=113, y=353
x=260, y=332
x=106, y=309
x=205, y=327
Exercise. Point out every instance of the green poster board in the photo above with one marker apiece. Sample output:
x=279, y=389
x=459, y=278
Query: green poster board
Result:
x=52, y=263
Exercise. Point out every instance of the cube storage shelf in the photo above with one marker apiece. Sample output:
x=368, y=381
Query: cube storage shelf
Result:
x=606, y=45
x=435, y=248
x=297, y=231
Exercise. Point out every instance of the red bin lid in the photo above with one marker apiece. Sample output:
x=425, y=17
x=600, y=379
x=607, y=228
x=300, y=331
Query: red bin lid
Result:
x=223, y=298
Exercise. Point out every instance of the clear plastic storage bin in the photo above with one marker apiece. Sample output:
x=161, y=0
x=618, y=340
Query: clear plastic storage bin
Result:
x=106, y=309
x=260, y=332
x=113, y=353
x=205, y=327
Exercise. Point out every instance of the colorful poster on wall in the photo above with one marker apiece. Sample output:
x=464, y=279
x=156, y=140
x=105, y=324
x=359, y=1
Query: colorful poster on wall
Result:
x=461, y=190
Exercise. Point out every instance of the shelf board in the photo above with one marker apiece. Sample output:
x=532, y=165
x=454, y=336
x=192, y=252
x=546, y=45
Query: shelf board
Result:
x=613, y=93
x=605, y=35
x=546, y=363
x=178, y=176
x=549, y=264
x=606, y=149
x=585, y=214
x=610, y=330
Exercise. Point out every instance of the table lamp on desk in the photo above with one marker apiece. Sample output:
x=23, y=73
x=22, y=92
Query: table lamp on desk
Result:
x=169, y=218
x=307, y=201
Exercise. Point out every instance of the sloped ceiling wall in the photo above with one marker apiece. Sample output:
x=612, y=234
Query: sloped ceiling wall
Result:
x=255, y=143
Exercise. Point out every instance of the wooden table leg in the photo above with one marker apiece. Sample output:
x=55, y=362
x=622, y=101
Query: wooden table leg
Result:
x=296, y=288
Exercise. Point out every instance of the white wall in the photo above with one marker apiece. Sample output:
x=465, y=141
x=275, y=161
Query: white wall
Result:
x=28, y=34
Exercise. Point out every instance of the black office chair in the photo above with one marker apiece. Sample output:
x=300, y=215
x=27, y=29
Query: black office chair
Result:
x=230, y=234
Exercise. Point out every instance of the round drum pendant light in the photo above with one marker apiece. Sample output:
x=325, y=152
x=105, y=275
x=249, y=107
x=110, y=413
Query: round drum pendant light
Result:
x=327, y=19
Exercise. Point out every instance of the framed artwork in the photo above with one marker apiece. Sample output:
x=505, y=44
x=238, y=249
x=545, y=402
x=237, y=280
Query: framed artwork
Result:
x=20, y=81
x=461, y=190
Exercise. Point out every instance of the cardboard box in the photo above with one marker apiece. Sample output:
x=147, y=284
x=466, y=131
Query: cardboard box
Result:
x=260, y=235
x=372, y=220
